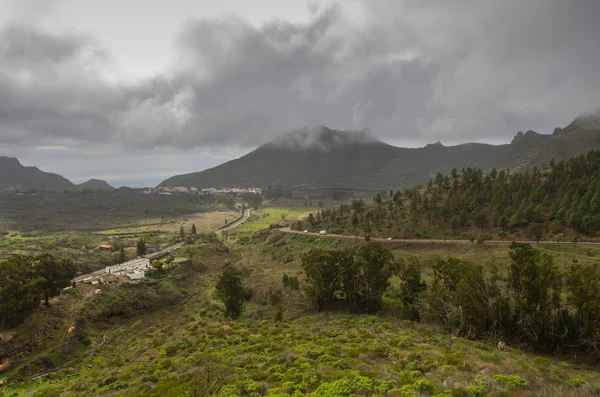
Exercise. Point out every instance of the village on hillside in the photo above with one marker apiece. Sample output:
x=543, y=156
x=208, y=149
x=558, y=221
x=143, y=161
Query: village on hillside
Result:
x=217, y=191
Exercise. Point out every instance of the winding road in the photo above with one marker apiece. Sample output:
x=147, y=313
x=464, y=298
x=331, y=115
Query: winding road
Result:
x=442, y=241
x=238, y=222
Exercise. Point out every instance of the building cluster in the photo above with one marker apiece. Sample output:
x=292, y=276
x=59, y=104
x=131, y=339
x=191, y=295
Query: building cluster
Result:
x=167, y=191
x=128, y=272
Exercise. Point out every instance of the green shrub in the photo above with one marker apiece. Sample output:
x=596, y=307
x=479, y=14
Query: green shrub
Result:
x=482, y=380
x=279, y=314
x=275, y=296
x=478, y=391
x=424, y=386
x=576, y=382
x=171, y=350
x=511, y=380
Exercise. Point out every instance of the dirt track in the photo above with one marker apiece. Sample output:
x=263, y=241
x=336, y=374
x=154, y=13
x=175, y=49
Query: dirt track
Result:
x=441, y=241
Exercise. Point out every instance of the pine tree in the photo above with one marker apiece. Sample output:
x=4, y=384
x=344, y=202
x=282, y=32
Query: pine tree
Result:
x=230, y=290
x=141, y=247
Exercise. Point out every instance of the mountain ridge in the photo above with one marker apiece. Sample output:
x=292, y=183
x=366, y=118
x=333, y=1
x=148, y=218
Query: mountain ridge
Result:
x=348, y=159
x=321, y=158
x=14, y=175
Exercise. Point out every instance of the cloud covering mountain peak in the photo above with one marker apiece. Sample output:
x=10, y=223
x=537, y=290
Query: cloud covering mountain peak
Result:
x=321, y=138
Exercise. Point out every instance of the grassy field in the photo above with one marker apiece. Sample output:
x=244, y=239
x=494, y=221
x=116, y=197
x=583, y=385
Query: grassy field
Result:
x=60, y=211
x=205, y=222
x=164, y=350
x=263, y=218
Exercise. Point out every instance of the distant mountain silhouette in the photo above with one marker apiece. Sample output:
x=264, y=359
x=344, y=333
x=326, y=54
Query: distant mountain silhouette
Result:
x=14, y=175
x=319, y=157
x=95, y=184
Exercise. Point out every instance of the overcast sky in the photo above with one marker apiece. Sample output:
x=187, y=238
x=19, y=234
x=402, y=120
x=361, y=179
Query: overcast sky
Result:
x=134, y=91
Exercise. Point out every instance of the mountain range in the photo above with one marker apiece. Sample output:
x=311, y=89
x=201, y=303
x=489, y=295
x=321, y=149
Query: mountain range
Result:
x=14, y=175
x=322, y=158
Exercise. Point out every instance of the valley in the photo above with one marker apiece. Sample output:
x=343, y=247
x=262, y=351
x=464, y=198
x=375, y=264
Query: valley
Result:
x=170, y=345
x=476, y=283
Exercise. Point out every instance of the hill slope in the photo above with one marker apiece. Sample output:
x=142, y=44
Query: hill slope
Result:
x=95, y=184
x=579, y=137
x=557, y=203
x=14, y=175
x=321, y=157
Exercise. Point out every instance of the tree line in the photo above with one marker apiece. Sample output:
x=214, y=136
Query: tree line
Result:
x=534, y=304
x=561, y=198
x=27, y=281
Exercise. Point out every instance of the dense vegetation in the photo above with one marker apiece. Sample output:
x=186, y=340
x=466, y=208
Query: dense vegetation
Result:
x=170, y=335
x=562, y=199
x=538, y=305
x=27, y=280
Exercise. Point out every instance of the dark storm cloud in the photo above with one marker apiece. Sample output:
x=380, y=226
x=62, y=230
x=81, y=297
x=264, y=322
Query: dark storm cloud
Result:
x=425, y=70
x=250, y=84
x=50, y=92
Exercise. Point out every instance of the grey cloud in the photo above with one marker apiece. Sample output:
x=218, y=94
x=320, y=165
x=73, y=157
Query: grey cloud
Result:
x=253, y=84
x=409, y=69
x=25, y=47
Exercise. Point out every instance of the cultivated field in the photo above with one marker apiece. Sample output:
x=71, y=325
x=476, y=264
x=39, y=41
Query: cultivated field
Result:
x=205, y=222
x=263, y=218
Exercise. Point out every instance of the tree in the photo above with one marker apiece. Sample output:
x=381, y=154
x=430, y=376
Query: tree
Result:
x=411, y=288
x=141, y=247
x=230, y=290
x=555, y=227
x=27, y=280
x=182, y=232
x=53, y=274
x=535, y=231
x=378, y=199
x=122, y=256
x=194, y=232
x=455, y=223
x=19, y=290
x=583, y=286
x=503, y=222
x=322, y=268
x=535, y=288
x=366, y=276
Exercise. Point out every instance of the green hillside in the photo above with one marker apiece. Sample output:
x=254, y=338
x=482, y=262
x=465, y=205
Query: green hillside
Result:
x=579, y=137
x=559, y=202
x=169, y=336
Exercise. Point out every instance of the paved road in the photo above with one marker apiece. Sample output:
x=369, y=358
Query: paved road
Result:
x=237, y=223
x=92, y=274
x=167, y=250
x=431, y=241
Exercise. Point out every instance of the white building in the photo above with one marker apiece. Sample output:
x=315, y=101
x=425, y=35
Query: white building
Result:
x=138, y=264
